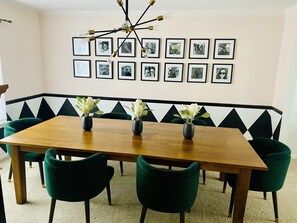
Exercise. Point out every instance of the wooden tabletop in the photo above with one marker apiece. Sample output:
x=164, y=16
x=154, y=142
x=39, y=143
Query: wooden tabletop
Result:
x=215, y=148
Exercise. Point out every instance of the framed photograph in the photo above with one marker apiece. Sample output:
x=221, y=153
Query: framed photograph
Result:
x=103, y=46
x=149, y=71
x=222, y=73
x=126, y=70
x=104, y=69
x=173, y=72
x=153, y=47
x=199, y=48
x=175, y=48
x=197, y=72
x=224, y=49
x=82, y=68
x=80, y=46
x=128, y=47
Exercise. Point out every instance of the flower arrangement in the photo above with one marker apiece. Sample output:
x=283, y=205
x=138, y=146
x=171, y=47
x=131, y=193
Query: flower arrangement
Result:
x=139, y=109
x=190, y=112
x=88, y=106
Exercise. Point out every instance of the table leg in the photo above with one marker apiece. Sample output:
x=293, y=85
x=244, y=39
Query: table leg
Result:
x=19, y=174
x=242, y=188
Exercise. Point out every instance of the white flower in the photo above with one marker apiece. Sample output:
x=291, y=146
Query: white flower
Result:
x=87, y=106
x=139, y=109
x=194, y=110
x=190, y=112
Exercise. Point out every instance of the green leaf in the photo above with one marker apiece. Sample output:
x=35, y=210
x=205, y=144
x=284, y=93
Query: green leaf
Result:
x=205, y=115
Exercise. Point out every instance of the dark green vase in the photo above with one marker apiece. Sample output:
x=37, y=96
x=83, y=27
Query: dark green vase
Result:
x=189, y=130
x=87, y=123
x=137, y=126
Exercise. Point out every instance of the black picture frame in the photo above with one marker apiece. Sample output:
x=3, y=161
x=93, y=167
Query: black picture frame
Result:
x=104, y=69
x=197, y=72
x=103, y=46
x=175, y=48
x=153, y=47
x=224, y=49
x=173, y=72
x=128, y=48
x=81, y=46
x=199, y=48
x=222, y=73
x=126, y=70
x=82, y=68
x=149, y=71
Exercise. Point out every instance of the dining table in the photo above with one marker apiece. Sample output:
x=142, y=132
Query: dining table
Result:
x=215, y=148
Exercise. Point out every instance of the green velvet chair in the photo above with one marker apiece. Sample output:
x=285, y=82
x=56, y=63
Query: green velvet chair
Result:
x=117, y=115
x=196, y=122
x=276, y=156
x=19, y=125
x=163, y=190
x=78, y=180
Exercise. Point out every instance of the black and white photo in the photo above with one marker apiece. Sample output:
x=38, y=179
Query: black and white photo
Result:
x=222, y=73
x=175, y=48
x=199, y=48
x=80, y=46
x=104, y=69
x=82, y=68
x=224, y=49
x=103, y=46
x=173, y=72
x=152, y=46
x=126, y=70
x=149, y=71
x=197, y=72
x=128, y=47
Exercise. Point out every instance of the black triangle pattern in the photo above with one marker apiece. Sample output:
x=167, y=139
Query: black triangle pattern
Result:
x=119, y=108
x=233, y=120
x=208, y=120
x=67, y=109
x=8, y=117
x=277, y=130
x=150, y=116
x=3, y=146
x=45, y=112
x=262, y=127
x=26, y=112
x=169, y=115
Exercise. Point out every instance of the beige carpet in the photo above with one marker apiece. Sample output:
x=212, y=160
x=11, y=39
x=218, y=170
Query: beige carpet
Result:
x=211, y=204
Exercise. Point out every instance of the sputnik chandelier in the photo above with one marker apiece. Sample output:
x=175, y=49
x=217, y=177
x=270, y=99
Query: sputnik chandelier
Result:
x=127, y=27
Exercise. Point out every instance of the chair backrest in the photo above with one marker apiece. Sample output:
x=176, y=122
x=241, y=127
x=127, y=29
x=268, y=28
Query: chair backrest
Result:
x=116, y=115
x=277, y=157
x=166, y=190
x=19, y=125
x=195, y=121
x=77, y=180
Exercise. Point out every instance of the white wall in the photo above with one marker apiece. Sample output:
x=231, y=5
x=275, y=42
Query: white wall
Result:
x=258, y=40
x=20, y=50
x=286, y=85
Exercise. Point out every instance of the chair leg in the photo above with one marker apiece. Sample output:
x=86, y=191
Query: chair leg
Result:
x=41, y=174
x=265, y=195
x=121, y=168
x=143, y=213
x=60, y=157
x=87, y=210
x=169, y=167
x=274, y=198
x=231, y=202
x=225, y=185
x=30, y=164
x=53, y=205
x=204, y=176
x=182, y=217
x=10, y=172
x=108, y=193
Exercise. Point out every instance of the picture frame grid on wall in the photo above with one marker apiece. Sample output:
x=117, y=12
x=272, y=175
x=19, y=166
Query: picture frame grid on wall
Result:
x=126, y=70
x=149, y=71
x=222, y=73
x=173, y=72
x=82, y=68
x=199, y=48
x=104, y=46
x=104, y=69
x=152, y=45
x=197, y=72
x=224, y=49
x=175, y=48
x=81, y=46
x=127, y=47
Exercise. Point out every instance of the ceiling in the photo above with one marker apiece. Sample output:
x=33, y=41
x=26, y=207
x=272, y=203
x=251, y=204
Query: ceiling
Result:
x=269, y=6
